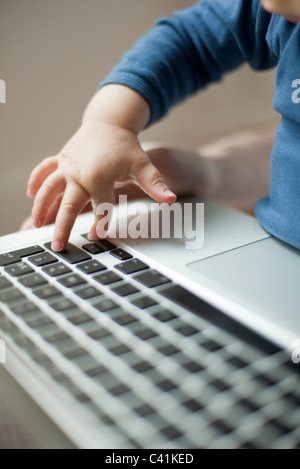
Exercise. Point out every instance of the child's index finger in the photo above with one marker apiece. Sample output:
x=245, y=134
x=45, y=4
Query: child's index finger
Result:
x=74, y=200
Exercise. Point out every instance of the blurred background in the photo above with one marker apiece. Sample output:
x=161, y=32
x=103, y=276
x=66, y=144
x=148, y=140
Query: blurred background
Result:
x=54, y=53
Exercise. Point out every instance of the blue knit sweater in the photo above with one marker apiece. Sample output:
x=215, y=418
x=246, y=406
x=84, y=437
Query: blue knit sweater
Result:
x=197, y=46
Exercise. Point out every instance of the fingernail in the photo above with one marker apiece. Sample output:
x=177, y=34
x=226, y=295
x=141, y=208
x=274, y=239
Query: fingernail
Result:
x=57, y=246
x=29, y=193
x=36, y=222
x=169, y=193
x=93, y=236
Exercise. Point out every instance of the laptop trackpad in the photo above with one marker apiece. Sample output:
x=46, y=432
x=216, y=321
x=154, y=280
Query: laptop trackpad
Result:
x=263, y=276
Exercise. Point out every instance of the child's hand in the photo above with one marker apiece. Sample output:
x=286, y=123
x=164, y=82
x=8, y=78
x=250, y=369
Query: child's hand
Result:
x=185, y=172
x=98, y=156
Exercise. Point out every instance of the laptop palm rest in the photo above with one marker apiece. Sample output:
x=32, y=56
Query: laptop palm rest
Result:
x=262, y=276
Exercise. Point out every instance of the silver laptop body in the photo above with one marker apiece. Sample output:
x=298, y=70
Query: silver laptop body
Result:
x=143, y=343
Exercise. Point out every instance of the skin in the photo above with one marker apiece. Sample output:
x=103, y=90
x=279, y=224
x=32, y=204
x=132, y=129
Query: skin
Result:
x=92, y=163
x=233, y=170
x=105, y=156
x=290, y=9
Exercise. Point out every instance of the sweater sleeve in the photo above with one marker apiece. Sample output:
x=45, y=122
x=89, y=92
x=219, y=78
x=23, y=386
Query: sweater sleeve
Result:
x=197, y=46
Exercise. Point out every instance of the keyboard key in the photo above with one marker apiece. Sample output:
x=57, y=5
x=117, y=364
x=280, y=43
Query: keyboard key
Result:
x=12, y=295
x=223, y=428
x=171, y=432
x=27, y=345
x=187, y=330
x=75, y=353
x=107, y=278
x=220, y=385
x=88, y=292
x=106, y=305
x=120, y=349
x=131, y=267
x=121, y=254
x=47, y=292
x=94, y=370
x=119, y=390
x=125, y=290
x=72, y=281
x=93, y=248
x=165, y=316
x=24, y=308
x=109, y=380
x=32, y=281
x=144, y=302
x=42, y=259
x=49, y=366
x=72, y=254
x=17, y=270
x=193, y=405
x=30, y=251
x=212, y=346
x=63, y=305
x=146, y=334
x=4, y=283
x=52, y=334
x=144, y=410
x=169, y=350
x=188, y=300
x=91, y=267
x=166, y=385
x=151, y=279
x=76, y=392
x=79, y=319
x=56, y=337
x=105, y=244
x=55, y=270
x=40, y=322
x=142, y=367
x=125, y=319
x=99, y=334
x=16, y=256
x=66, y=346
x=237, y=362
x=9, y=258
x=193, y=367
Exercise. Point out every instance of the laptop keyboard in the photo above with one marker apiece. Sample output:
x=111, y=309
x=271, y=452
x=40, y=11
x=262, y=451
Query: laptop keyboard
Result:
x=143, y=356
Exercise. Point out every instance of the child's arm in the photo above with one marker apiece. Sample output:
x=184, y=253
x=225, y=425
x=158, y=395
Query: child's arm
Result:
x=178, y=57
x=105, y=150
x=233, y=170
x=241, y=166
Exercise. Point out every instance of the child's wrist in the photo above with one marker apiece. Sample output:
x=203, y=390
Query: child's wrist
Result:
x=119, y=106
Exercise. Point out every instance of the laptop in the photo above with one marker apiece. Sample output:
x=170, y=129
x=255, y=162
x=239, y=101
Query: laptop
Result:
x=143, y=343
